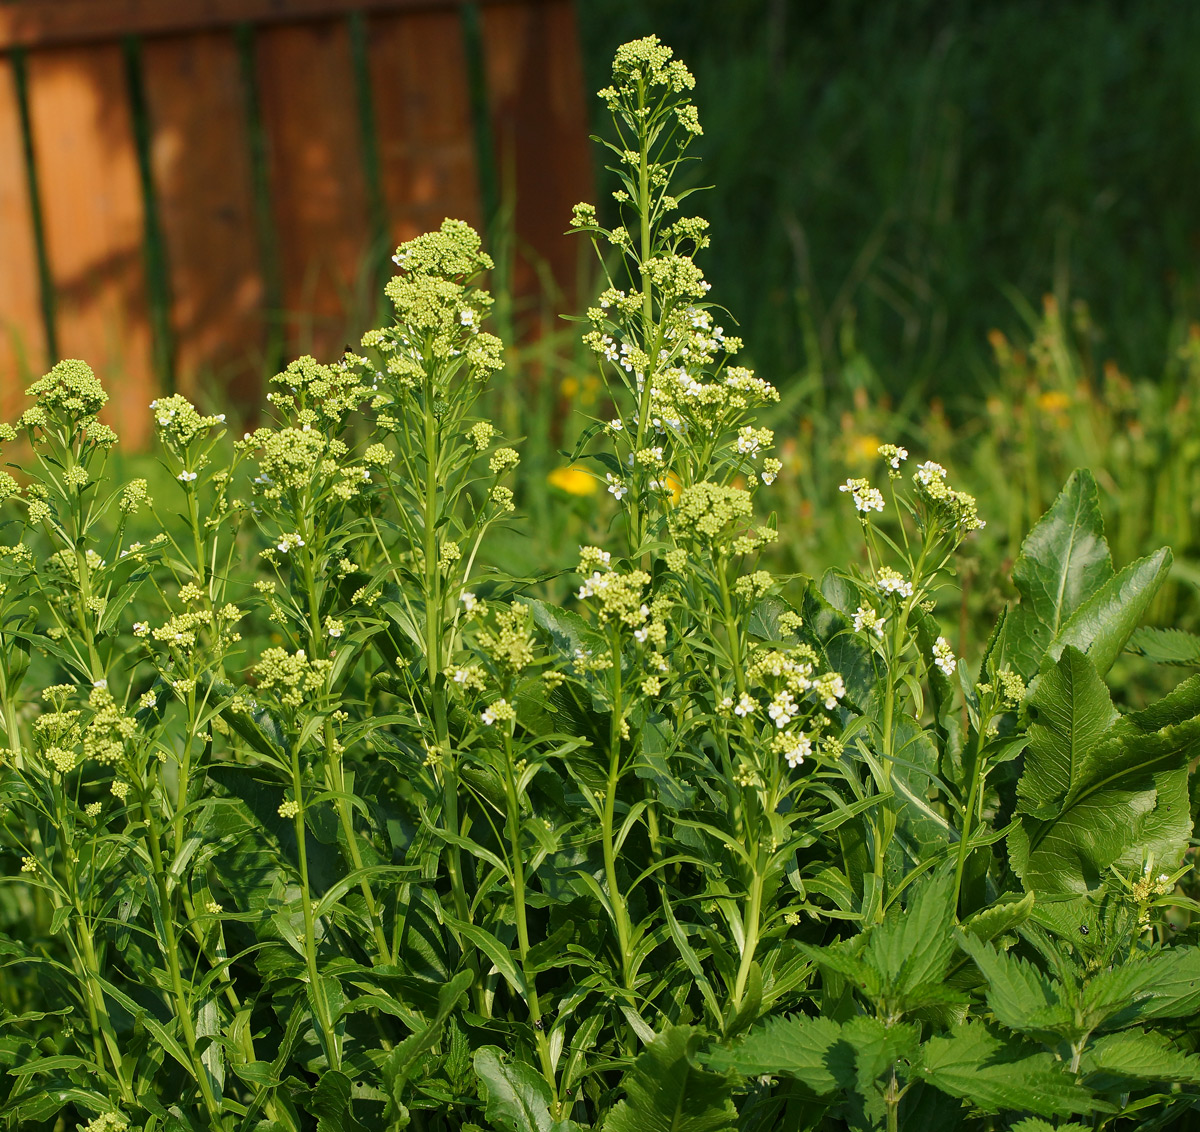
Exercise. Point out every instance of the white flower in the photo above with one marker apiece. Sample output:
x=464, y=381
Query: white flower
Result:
x=943, y=656
x=799, y=750
x=768, y=478
x=890, y=581
x=140, y=628
x=221, y=417
x=866, y=498
x=617, y=487
x=782, y=709
x=867, y=619
x=101, y=683
x=468, y=600
x=616, y=424
x=186, y=477
x=745, y=706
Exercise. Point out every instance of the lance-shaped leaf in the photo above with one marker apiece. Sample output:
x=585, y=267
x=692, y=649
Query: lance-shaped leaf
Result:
x=1018, y=994
x=1104, y=622
x=517, y=1097
x=1064, y=559
x=1166, y=646
x=801, y=1048
x=1146, y=1057
x=1099, y=792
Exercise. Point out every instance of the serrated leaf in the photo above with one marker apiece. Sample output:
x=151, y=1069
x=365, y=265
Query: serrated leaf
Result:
x=1165, y=646
x=1126, y=788
x=666, y=1091
x=1102, y=624
x=992, y=921
x=1167, y=986
x=995, y=1075
x=1019, y=995
x=1148, y=1057
x=797, y=1047
x=1069, y=712
x=1064, y=559
x=914, y=946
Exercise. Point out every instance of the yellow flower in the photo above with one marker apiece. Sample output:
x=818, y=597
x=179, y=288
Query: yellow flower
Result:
x=569, y=386
x=1053, y=401
x=862, y=450
x=573, y=480
x=675, y=486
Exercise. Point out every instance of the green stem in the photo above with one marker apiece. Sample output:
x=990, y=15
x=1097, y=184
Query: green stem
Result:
x=183, y=1008
x=968, y=812
x=752, y=925
x=518, y=883
x=320, y=1005
x=607, y=821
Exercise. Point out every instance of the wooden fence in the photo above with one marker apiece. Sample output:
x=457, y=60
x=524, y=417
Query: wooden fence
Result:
x=190, y=189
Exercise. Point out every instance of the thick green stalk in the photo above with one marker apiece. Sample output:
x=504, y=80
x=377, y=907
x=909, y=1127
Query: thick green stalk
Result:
x=518, y=883
x=320, y=1005
x=607, y=821
x=751, y=926
x=183, y=1010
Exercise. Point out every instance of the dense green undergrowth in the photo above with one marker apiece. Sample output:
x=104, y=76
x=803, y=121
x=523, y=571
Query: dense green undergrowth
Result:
x=314, y=817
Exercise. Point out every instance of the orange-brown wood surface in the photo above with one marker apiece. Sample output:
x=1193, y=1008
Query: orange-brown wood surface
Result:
x=534, y=79
x=318, y=186
x=22, y=335
x=421, y=98
x=91, y=197
x=33, y=23
x=200, y=162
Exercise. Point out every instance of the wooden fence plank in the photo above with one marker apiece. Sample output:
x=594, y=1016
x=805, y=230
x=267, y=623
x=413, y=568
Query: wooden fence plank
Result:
x=22, y=333
x=318, y=185
x=200, y=163
x=534, y=79
x=86, y=156
x=55, y=22
x=421, y=97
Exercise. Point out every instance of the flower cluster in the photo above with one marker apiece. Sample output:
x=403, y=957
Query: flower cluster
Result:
x=290, y=678
x=957, y=507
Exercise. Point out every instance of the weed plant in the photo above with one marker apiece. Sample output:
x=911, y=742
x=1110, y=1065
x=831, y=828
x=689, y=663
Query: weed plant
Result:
x=317, y=817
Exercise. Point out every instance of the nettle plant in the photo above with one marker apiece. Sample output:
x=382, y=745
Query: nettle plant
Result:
x=315, y=818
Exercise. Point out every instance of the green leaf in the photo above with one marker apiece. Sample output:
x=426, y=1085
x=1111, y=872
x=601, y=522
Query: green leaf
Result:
x=1007, y=913
x=1165, y=646
x=1068, y=713
x=1099, y=792
x=995, y=1075
x=407, y=1055
x=1103, y=623
x=1034, y=1124
x=797, y=1047
x=1064, y=559
x=1018, y=994
x=1147, y=1057
x=666, y=1091
x=517, y=1098
x=1167, y=986
x=914, y=947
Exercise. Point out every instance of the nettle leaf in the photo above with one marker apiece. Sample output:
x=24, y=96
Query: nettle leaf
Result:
x=1100, y=791
x=1166, y=646
x=666, y=1091
x=913, y=948
x=995, y=1075
x=1167, y=986
x=1147, y=1057
x=1064, y=559
x=1035, y=1124
x=1019, y=995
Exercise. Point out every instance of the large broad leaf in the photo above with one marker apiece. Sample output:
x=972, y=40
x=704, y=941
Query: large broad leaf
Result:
x=1104, y=622
x=1064, y=559
x=1091, y=797
x=912, y=948
x=518, y=1098
x=666, y=1091
x=995, y=1075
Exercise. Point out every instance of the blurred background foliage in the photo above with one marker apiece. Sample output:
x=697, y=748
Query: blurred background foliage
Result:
x=895, y=178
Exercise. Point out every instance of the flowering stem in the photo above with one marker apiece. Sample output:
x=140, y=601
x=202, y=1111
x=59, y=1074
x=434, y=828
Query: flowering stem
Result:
x=751, y=921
